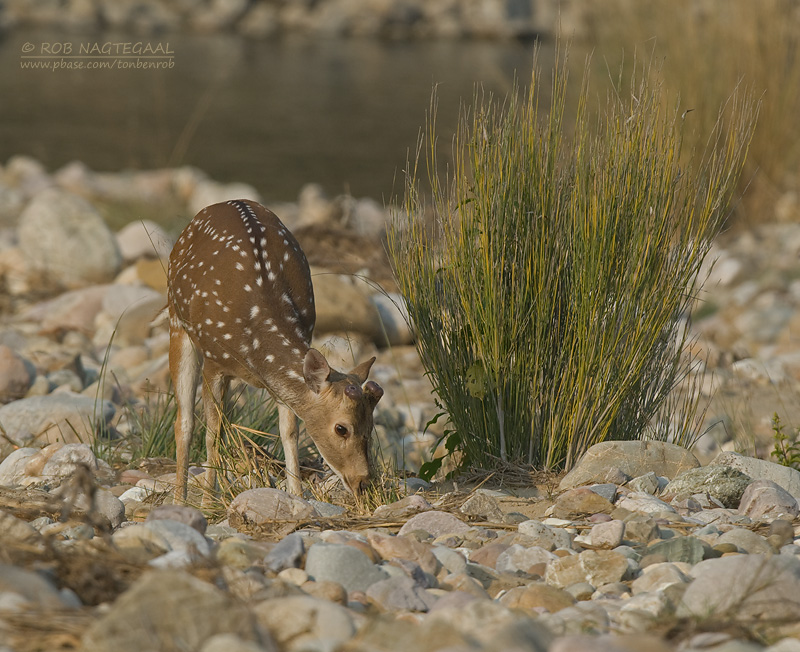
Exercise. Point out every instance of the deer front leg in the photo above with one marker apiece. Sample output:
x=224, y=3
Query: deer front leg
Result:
x=287, y=421
x=214, y=385
x=184, y=368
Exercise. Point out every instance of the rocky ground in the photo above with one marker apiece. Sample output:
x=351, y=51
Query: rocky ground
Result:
x=643, y=546
x=268, y=18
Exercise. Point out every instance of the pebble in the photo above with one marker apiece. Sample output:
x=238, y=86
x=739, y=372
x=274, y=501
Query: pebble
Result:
x=619, y=549
x=400, y=593
x=724, y=483
x=545, y=536
x=632, y=458
x=287, y=553
x=191, y=516
x=519, y=559
x=270, y=507
x=595, y=567
x=342, y=564
x=607, y=535
x=645, y=503
x=305, y=622
x=170, y=605
x=537, y=595
x=767, y=499
x=579, y=502
x=744, y=587
x=403, y=508
x=436, y=524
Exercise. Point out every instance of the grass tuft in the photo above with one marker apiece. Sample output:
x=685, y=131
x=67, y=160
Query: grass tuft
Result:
x=549, y=278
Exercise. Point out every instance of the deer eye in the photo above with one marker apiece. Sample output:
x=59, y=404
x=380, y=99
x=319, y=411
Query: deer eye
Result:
x=340, y=430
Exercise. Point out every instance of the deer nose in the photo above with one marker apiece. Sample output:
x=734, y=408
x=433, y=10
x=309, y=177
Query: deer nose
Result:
x=359, y=484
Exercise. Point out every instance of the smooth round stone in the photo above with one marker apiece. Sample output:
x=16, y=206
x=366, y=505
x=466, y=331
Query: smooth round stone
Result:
x=644, y=503
x=343, y=564
x=140, y=543
x=296, y=576
x=400, y=593
x=190, y=516
x=436, y=523
x=746, y=541
x=581, y=591
x=230, y=643
x=608, y=534
x=579, y=502
x=306, y=623
x=239, y=553
x=287, y=553
x=783, y=531
x=537, y=595
x=612, y=590
x=518, y=559
x=331, y=591
x=180, y=536
x=544, y=536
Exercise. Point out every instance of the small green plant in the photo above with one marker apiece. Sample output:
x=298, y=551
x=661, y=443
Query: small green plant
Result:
x=784, y=451
x=548, y=276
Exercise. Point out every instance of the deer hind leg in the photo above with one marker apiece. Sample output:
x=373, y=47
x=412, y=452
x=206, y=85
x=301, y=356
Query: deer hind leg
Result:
x=287, y=421
x=184, y=368
x=214, y=385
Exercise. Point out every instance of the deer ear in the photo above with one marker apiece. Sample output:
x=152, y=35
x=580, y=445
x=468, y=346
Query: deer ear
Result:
x=316, y=370
x=373, y=392
x=362, y=371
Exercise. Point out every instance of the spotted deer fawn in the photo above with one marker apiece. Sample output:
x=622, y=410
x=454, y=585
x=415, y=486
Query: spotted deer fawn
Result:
x=241, y=304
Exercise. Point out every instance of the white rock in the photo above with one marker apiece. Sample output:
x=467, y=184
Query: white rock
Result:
x=641, y=502
x=143, y=238
x=12, y=468
x=66, y=240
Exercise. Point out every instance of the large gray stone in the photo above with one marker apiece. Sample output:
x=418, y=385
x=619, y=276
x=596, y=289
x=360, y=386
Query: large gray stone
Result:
x=269, y=507
x=66, y=240
x=758, y=469
x=170, y=611
x=66, y=417
x=191, y=516
x=496, y=627
x=143, y=238
x=688, y=549
x=34, y=589
x=725, y=483
x=435, y=523
x=67, y=459
x=746, y=587
x=545, y=536
x=400, y=593
x=597, y=567
x=764, y=499
x=304, y=623
x=16, y=375
x=12, y=468
x=287, y=553
x=342, y=564
x=634, y=458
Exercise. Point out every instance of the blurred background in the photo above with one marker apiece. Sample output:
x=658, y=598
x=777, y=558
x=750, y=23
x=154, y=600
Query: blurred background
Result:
x=279, y=93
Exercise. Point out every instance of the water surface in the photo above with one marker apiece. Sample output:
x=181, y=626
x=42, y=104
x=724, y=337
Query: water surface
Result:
x=276, y=114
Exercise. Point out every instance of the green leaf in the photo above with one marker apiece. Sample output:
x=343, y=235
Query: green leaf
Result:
x=476, y=380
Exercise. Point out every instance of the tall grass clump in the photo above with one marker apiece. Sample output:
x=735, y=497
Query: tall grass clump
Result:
x=548, y=277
